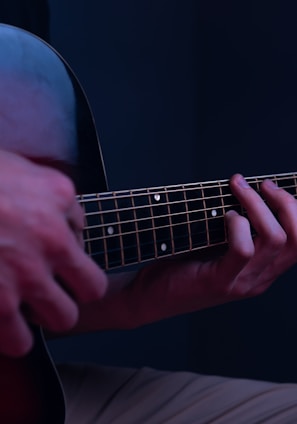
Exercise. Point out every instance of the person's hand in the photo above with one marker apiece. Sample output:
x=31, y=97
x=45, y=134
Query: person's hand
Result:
x=44, y=272
x=250, y=265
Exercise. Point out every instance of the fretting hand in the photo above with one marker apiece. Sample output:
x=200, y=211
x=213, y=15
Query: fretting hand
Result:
x=250, y=265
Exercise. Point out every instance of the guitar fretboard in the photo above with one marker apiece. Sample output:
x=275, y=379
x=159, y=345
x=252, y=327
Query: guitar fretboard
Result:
x=133, y=226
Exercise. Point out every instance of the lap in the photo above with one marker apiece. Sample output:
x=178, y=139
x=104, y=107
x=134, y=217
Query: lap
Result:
x=106, y=395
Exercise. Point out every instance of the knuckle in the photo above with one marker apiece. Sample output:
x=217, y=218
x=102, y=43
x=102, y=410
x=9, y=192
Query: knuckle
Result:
x=59, y=246
x=51, y=239
x=65, y=320
x=277, y=239
x=245, y=252
x=288, y=199
x=80, y=218
x=59, y=184
x=64, y=187
x=9, y=305
x=286, y=202
x=240, y=290
x=27, y=273
x=37, y=225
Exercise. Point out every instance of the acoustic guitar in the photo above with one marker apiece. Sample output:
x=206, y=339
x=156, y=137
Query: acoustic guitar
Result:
x=122, y=228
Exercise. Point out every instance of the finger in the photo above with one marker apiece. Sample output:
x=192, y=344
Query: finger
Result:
x=50, y=306
x=261, y=217
x=16, y=337
x=284, y=206
x=64, y=192
x=76, y=220
x=83, y=277
x=241, y=247
x=75, y=216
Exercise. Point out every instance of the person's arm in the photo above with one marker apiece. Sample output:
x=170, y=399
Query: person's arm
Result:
x=46, y=278
x=250, y=265
x=40, y=244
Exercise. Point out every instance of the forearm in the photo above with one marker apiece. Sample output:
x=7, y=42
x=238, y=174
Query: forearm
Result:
x=112, y=312
x=158, y=291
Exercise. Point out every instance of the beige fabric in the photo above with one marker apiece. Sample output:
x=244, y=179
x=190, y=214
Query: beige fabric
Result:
x=102, y=395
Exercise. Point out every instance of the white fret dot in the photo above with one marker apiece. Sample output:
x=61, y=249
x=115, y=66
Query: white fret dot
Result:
x=163, y=247
x=157, y=197
x=110, y=231
x=214, y=213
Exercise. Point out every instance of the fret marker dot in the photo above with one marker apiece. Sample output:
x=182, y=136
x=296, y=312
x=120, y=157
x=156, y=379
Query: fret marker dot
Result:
x=157, y=197
x=214, y=213
x=110, y=231
x=163, y=247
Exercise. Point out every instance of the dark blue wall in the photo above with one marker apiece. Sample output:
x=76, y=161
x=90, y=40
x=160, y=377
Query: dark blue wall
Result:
x=249, y=117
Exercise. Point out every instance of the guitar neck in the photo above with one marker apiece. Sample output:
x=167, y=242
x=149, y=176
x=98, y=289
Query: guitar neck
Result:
x=133, y=226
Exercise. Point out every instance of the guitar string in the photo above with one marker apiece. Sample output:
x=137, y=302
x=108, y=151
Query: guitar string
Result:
x=156, y=205
x=133, y=260
x=165, y=216
x=182, y=248
x=122, y=194
x=208, y=184
x=153, y=228
x=149, y=218
x=196, y=234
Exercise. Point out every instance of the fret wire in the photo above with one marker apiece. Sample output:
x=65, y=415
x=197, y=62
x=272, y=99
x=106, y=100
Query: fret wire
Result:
x=220, y=243
x=224, y=210
x=160, y=204
x=170, y=221
x=104, y=238
x=188, y=219
x=165, y=204
x=223, y=183
x=88, y=247
x=182, y=223
x=153, y=229
x=142, y=195
x=136, y=228
x=220, y=208
x=166, y=216
x=257, y=184
x=217, y=218
x=205, y=215
x=275, y=180
x=148, y=229
x=207, y=184
x=116, y=249
x=236, y=205
x=120, y=234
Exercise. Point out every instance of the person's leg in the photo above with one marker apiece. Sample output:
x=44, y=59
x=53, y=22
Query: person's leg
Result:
x=102, y=395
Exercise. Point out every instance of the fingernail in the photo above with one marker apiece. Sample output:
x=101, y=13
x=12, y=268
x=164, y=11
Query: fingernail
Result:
x=242, y=182
x=230, y=213
x=271, y=184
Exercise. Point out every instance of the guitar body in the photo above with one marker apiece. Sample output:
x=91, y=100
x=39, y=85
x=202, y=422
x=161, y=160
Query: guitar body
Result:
x=30, y=390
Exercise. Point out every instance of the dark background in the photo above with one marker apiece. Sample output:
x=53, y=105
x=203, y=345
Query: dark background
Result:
x=190, y=91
